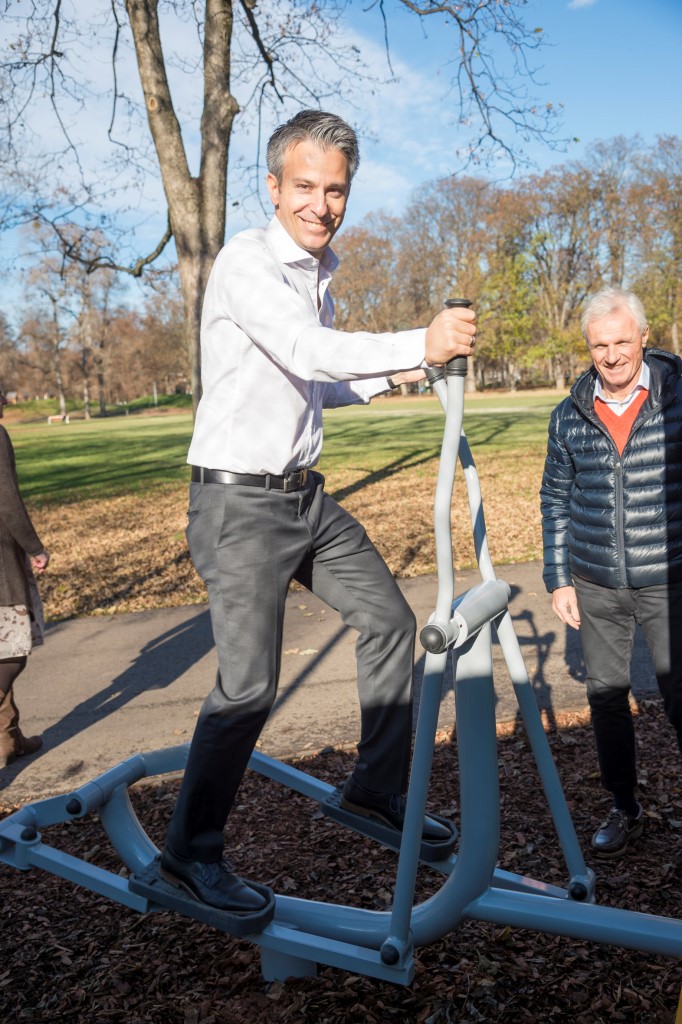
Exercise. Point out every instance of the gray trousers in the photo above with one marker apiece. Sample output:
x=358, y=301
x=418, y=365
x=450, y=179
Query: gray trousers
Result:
x=607, y=627
x=247, y=544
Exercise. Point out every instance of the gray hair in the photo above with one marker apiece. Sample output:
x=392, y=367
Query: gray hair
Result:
x=608, y=300
x=328, y=131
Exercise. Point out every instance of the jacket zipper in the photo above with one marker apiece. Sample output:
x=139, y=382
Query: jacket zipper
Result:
x=620, y=524
x=618, y=479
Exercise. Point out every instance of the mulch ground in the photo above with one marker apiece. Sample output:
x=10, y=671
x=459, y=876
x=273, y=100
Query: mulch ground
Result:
x=71, y=956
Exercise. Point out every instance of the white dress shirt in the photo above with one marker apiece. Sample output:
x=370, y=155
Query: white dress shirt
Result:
x=271, y=359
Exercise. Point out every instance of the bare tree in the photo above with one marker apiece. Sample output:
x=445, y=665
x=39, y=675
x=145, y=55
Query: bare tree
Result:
x=509, y=302
x=43, y=338
x=92, y=332
x=613, y=169
x=659, y=237
x=369, y=287
x=8, y=353
x=260, y=62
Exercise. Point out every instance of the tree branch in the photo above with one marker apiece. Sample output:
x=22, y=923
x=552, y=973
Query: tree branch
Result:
x=114, y=54
x=71, y=250
x=138, y=268
x=481, y=87
x=248, y=6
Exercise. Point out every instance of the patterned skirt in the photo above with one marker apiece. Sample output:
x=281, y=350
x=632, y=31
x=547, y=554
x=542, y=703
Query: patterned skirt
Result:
x=21, y=629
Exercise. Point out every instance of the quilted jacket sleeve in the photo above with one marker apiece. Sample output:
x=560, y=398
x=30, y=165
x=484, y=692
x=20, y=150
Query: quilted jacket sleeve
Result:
x=555, y=506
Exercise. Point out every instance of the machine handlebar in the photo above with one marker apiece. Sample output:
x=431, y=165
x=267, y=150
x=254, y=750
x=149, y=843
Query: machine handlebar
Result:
x=457, y=367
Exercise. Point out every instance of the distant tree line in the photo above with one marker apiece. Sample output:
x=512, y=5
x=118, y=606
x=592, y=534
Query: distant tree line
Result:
x=527, y=253
x=78, y=339
x=257, y=63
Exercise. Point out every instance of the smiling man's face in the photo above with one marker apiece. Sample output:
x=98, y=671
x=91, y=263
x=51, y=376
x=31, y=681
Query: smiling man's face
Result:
x=310, y=200
x=616, y=345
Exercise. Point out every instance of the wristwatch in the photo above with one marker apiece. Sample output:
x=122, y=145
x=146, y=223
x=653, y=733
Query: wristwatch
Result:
x=392, y=384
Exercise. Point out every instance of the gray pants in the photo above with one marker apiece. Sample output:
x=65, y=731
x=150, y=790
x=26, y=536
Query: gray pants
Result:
x=247, y=544
x=607, y=627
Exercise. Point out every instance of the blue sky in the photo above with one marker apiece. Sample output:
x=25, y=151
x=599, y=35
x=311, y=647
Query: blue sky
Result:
x=615, y=65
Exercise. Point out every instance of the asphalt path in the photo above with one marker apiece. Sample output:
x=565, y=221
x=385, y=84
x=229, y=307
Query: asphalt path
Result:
x=106, y=687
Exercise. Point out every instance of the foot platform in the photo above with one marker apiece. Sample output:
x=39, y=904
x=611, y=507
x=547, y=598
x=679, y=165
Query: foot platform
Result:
x=165, y=896
x=429, y=852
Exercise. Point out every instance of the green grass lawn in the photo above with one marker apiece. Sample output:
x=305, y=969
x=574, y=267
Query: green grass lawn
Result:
x=411, y=429
x=100, y=458
x=119, y=455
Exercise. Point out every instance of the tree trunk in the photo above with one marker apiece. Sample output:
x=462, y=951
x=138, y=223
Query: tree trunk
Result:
x=86, y=346
x=98, y=354
x=57, y=355
x=470, y=380
x=511, y=374
x=86, y=398
x=60, y=387
x=101, y=393
x=196, y=206
x=573, y=366
x=194, y=271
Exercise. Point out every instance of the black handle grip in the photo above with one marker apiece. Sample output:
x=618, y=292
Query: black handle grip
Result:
x=457, y=367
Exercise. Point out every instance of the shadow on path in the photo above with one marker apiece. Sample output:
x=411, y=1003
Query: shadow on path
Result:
x=293, y=686
x=158, y=664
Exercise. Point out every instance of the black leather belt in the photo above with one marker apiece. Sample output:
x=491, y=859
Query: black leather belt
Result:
x=293, y=481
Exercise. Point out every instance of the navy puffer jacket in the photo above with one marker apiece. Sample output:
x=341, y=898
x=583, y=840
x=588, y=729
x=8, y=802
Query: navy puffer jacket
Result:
x=615, y=520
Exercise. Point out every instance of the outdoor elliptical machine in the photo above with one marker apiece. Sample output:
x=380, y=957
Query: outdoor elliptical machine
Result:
x=295, y=935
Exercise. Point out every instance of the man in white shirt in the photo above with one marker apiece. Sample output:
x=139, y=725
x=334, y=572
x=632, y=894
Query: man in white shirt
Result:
x=259, y=516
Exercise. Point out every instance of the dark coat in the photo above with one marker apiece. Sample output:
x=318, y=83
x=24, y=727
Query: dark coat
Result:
x=17, y=535
x=615, y=521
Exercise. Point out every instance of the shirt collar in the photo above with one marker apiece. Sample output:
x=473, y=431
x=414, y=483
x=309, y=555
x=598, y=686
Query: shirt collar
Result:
x=642, y=383
x=289, y=252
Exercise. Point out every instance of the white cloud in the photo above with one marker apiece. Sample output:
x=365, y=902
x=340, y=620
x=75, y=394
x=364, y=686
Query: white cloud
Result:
x=574, y=5
x=378, y=186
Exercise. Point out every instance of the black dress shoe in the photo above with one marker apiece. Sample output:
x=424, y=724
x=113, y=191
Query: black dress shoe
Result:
x=616, y=831
x=389, y=809
x=214, y=883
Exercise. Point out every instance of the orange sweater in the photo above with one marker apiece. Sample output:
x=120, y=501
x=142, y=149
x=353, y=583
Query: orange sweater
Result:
x=619, y=427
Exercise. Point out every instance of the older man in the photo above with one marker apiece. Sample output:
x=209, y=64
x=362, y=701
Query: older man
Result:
x=259, y=516
x=611, y=501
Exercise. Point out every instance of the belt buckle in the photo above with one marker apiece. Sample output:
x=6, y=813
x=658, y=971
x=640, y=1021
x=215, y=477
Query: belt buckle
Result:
x=293, y=481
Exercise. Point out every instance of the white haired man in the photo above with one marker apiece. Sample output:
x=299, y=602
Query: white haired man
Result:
x=611, y=500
